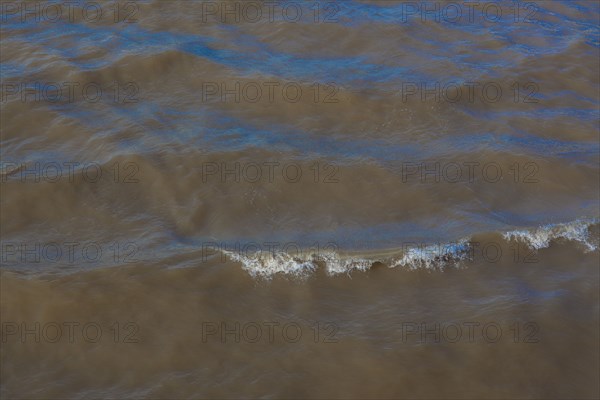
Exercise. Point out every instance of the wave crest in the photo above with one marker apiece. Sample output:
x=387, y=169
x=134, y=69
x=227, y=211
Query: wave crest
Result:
x=431, y=257
x=541, y=237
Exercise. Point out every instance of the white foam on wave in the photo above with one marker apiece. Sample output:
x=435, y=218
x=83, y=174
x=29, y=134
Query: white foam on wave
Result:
x=433, y=257
x=265, y=265
x=339, y=265
x=541, y=237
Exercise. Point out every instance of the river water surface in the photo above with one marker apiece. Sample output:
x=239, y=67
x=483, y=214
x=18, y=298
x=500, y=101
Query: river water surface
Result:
x=352, y=199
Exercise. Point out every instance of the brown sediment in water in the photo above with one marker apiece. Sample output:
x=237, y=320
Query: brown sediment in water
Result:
x=171, y=238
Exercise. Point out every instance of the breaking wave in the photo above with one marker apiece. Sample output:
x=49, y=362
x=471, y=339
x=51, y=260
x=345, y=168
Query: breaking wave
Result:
x=429, y=257
x=540, y=238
